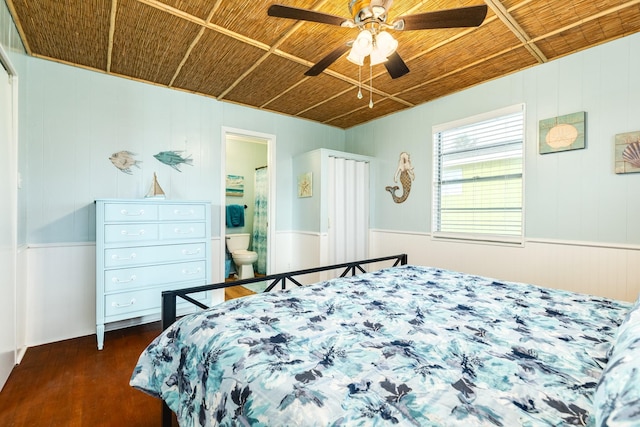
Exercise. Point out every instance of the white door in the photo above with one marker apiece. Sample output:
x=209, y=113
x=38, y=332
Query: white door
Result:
x=7, y=230
x=348, y=206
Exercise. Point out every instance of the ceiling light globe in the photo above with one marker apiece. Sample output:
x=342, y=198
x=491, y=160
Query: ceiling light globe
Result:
x=363, y=44
x=355, y=58
x=386, y=43
x=377, y=57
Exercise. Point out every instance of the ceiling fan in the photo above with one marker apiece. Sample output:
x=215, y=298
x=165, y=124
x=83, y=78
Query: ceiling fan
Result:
x=370, y=17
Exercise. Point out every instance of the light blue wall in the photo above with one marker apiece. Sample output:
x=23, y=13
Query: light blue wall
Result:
x=75, y=119
x=569, y=196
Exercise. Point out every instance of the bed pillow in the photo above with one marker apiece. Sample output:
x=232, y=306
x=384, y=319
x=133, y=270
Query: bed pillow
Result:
x=617, y=398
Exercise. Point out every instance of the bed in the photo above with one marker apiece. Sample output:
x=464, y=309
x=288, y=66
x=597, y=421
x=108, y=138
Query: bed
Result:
x=406, y=345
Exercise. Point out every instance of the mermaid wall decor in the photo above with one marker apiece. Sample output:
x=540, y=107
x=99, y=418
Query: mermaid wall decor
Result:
x=406, y=175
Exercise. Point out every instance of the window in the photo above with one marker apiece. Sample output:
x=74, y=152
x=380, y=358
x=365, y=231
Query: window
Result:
x=478, y=177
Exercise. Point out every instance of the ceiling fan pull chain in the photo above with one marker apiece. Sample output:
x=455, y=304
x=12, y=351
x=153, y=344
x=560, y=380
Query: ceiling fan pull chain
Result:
x=370, y=85
x=360, y=82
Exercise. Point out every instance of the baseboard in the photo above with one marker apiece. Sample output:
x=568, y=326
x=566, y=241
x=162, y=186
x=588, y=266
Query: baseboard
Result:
x=20, y=354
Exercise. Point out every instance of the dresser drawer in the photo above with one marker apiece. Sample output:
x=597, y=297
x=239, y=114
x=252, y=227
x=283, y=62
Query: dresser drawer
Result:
x=182, y=212
x=183, y=230
x=123, y=212
x=124, y=305
x=138, y=277
x=128, y=302
x=123, y=257
x=114, y=233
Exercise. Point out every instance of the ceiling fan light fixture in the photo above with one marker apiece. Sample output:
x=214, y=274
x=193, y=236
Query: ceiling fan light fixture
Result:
x=385, y=43
x=355, y=58
x=363, y=44
x=377, y=57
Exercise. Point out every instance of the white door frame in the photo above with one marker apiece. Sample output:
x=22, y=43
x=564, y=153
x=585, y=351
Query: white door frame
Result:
x=12, y=184
x=271, y=209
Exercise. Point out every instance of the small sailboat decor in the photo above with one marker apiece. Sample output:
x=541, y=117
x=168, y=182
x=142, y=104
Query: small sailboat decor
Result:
x=155, y=191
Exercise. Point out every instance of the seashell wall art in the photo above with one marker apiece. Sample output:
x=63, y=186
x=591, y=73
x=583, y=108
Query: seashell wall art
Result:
x=627, y=147
x=562, y=133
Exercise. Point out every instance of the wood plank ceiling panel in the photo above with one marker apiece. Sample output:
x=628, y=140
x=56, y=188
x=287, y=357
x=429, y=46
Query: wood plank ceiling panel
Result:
x=313, y=41
x=340, y=105
x=270, y=79
x=591, y=33
x=449, y=57
x=74, y=31
x=149, y=43
x=215, y=63
x=253, y=21
x=364, y=114
x=198, y=8
x=544, y=17
x=310, y=92
x=497, y=66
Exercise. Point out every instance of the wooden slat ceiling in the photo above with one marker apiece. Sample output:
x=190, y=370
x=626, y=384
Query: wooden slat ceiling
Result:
x=232, y=51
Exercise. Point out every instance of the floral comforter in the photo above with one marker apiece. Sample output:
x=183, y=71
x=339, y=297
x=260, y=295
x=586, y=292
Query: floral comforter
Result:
x=408, y=345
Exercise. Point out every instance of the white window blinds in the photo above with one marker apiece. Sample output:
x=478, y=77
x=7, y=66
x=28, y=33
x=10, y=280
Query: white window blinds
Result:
x=478, y=177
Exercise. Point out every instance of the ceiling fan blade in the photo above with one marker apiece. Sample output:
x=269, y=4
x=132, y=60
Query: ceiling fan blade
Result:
x=326, y=61
x=396, y=66
x=282, y=11
x=471, y=16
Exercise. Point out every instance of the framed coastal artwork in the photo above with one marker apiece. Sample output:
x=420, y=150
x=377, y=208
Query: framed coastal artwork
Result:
x=562, y=133
x=235, y=185
x=305, y=185
x=627, y=152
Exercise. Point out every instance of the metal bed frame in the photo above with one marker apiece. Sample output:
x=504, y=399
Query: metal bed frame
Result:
x=170, y=298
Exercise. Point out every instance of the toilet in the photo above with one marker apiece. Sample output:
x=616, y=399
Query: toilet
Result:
x=237, y=245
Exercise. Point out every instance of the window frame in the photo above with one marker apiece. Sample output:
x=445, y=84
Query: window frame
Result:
x=473, y=237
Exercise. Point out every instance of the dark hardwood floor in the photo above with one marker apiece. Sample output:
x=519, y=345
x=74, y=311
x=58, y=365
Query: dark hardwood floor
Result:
x=71, y=383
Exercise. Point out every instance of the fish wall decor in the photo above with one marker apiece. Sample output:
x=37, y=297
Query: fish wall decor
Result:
x=405, y=173
x=173, y=159
x=124, y=161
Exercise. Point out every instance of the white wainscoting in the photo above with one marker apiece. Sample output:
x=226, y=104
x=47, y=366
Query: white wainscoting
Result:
x=606, y=270
x=309, y=251
x=57, y=282
x=22, y=268
x=61, y=292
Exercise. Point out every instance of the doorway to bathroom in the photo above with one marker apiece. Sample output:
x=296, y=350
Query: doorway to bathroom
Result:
x=247, y=201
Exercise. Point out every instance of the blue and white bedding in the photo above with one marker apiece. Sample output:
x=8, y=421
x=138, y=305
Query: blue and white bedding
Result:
x=409, y=345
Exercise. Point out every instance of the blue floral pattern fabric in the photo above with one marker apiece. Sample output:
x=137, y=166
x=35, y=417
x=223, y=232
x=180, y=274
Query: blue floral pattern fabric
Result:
x=411, y=346
x=617, y=397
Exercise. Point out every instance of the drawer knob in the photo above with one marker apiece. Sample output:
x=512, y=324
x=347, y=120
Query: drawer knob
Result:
x=118, y=305
x=183, y=213
x=190, y=272
x=127, y=213
x=130, y=279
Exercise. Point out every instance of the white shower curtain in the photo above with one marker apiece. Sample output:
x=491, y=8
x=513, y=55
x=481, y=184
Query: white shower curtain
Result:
x=348, y=205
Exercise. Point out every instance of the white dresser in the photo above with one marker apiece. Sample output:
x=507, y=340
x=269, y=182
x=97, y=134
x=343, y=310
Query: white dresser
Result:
x=146, y=246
